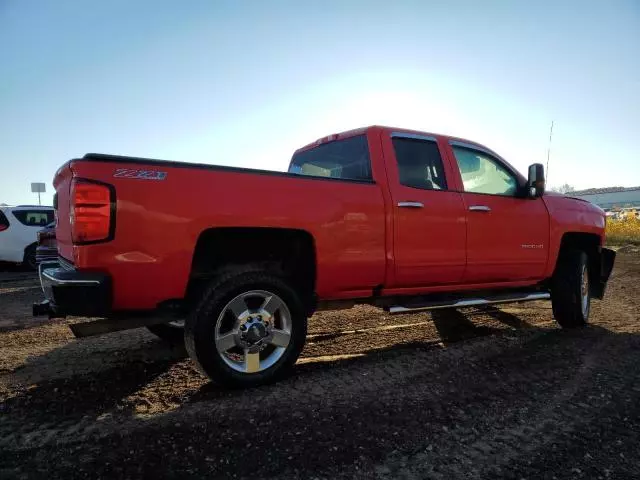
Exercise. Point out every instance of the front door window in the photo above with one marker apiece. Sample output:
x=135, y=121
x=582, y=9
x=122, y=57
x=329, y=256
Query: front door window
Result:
x=482, y=173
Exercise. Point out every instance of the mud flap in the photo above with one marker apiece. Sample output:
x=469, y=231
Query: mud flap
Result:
x=607, y=259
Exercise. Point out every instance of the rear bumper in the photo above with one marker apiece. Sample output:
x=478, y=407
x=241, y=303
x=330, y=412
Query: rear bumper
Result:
x=607, y=260
x=68, y=291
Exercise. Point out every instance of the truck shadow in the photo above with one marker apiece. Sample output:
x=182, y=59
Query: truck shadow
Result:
x=336, y=404
x=315, y=375
x=454, y=326
x=504, y=317
x=82, y=375
x=137, y=361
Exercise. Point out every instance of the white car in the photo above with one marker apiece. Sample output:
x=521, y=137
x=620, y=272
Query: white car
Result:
x=19, y=228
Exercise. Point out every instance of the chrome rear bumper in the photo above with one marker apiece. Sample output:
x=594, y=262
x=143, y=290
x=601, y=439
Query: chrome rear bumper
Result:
x=68, y=291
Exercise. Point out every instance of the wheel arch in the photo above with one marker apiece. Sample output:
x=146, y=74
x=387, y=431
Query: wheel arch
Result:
x=292, y=252
x=590, y=243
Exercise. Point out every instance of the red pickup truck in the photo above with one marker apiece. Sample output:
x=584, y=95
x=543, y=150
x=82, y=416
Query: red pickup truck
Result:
x=239, y=258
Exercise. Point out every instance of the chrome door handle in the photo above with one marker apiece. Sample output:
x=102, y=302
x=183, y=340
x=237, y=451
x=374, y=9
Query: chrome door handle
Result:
x=411, y=204
x=479, y=208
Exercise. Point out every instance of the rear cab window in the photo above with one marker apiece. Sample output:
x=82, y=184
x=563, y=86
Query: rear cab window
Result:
x=33, y=217
x=346, y=159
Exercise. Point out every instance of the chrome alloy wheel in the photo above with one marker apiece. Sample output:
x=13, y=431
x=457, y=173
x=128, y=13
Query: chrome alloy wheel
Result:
x=584, y=292
x=253, y=331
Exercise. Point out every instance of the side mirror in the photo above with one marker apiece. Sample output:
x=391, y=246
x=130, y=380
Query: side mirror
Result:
x=535, y=182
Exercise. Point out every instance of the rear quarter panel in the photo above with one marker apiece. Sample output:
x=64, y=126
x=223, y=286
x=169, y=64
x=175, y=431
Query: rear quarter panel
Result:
x=158, y=223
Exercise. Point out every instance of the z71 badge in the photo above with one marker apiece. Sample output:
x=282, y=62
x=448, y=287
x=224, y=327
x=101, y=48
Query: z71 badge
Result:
x=140, y=174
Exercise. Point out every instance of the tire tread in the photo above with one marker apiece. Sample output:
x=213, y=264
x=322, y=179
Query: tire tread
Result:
x=565, y=289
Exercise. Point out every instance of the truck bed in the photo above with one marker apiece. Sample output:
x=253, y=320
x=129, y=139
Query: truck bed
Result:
x=159, y=221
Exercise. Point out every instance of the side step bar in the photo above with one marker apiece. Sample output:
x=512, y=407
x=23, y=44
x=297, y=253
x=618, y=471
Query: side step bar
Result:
x=470, y=302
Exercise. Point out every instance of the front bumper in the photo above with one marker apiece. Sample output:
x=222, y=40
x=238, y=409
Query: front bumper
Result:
x=605, y=266
x=68, y=291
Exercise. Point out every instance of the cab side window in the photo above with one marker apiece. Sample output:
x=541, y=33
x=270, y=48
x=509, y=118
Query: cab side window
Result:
x=481, y=173
x=419, y=163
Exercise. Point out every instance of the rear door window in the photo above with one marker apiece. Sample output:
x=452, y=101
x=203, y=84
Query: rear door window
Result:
x=34, y=218
x=347, y=159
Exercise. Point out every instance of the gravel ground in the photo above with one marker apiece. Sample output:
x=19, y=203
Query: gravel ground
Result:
x=474, y=393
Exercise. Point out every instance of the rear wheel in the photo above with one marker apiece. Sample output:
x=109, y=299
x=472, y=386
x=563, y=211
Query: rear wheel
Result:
x=249, y=329
x=570, y=290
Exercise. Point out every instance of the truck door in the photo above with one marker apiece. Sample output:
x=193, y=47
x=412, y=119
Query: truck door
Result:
x=507, y=233
x=429, y=232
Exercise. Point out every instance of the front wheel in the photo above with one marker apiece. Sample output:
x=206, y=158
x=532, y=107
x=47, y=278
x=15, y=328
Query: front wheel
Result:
x=570, y=290
x=248, y=329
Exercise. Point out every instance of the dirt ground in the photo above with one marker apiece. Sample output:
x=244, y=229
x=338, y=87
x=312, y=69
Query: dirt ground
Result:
x=475, y=393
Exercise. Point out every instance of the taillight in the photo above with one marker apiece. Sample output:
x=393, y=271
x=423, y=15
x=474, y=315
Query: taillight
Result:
x=92, y=211
x=3, y=227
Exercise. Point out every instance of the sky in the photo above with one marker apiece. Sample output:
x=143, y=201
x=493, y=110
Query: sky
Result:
x=245, y=83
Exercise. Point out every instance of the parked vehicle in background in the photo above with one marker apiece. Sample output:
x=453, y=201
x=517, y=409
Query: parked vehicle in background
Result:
x=47, y=249
x=395, y=218
x=18, y=232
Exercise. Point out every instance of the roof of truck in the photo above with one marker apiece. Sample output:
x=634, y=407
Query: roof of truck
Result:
x=100, y=157
x=462, y=142
x=362, y=130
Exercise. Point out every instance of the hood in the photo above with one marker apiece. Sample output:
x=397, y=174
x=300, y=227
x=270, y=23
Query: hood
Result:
x=568, y=195
x=571, y=198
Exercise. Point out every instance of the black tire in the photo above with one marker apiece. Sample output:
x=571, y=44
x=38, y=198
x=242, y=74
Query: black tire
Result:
x=200, y=326
x=172, y=334
x=567, y=289
x=29, y=259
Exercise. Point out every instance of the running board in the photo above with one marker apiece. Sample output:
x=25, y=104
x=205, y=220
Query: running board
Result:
x=471, y=302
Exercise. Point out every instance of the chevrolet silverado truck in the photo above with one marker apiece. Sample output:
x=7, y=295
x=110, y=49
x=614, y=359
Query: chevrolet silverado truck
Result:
x=235, y=260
